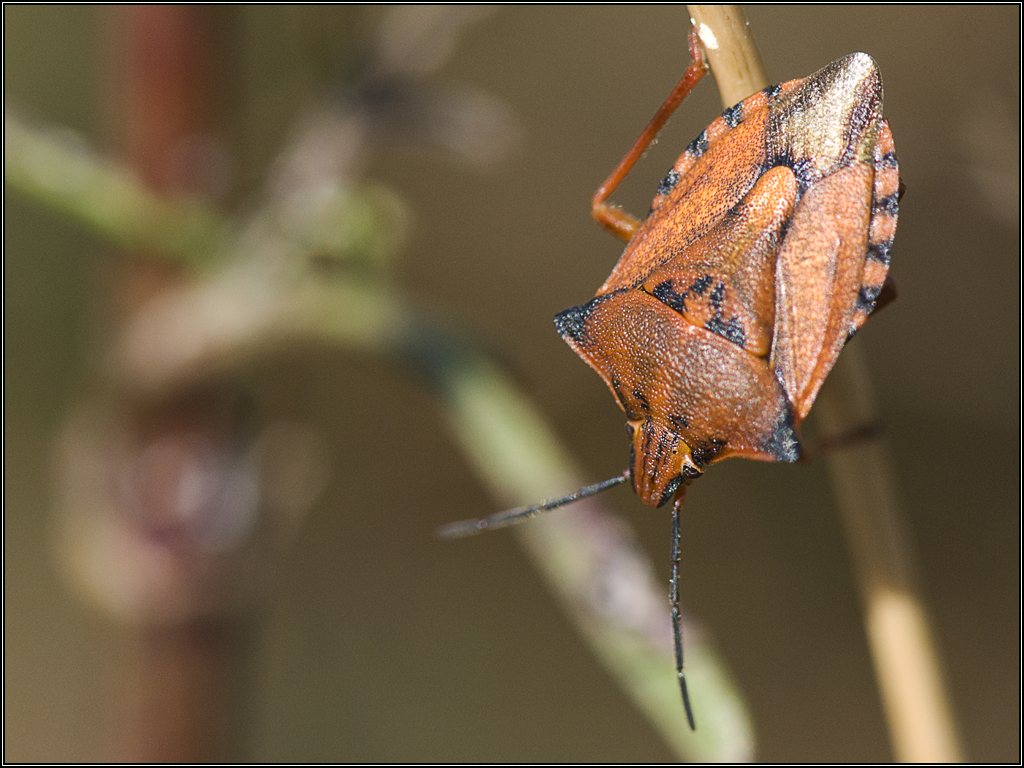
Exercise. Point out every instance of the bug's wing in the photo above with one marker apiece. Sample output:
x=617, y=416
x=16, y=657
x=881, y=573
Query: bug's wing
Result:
x=708, y=180
x=828, y=282
x=834, y=259
x=725, y=282
x=817, y=281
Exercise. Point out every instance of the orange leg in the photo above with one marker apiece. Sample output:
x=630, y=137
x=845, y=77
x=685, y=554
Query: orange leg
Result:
x=612, y=218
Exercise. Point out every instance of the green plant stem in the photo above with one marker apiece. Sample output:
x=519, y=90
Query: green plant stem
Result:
x=59, y=171
x=583, y=550
x=256, y=295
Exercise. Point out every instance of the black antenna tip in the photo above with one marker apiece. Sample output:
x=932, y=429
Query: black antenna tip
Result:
x=686, y=702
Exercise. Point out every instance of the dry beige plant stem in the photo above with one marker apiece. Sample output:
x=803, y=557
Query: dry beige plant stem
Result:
x=921, y=724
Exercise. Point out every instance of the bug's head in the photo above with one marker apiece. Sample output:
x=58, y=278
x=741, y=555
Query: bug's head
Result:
x=660, y=461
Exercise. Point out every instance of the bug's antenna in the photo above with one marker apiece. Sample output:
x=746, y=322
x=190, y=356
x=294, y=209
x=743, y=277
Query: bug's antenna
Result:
x=509, y=516
x=677, y=630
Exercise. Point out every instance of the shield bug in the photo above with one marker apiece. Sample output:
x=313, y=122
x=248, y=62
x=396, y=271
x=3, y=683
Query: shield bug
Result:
x=766, y=248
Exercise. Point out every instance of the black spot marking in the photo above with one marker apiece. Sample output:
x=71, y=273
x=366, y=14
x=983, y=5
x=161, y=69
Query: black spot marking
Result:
x=667, y=295
x=572, y=323
x=889, y=204
x=731, y=329
x=701, y=284
x=887, y=161
x=867, y=297
x=668, y=183
x=733, y=116
x=670, y=490
x=647, y=438
x=771, y=91
x=665, y=445
x=642, y=399
x=718, y=296
x=679, y=422
x=703, y=453
x=698, y=146
x=880, y=252
x=783, y=157
x=782, y=443
x=802, y=168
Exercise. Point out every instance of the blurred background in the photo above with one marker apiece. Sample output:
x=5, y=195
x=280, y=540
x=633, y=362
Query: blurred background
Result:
x=377, y=642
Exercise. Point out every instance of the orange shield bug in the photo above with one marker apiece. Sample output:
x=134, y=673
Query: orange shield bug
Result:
x=766, y=248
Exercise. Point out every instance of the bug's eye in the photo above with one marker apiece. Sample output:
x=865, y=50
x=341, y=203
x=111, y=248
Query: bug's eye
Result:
x=689, y=470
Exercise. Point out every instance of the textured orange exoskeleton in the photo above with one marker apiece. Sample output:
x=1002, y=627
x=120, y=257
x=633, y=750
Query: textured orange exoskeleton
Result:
x=766, y=248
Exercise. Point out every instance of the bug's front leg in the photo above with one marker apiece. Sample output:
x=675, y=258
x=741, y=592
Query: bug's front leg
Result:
x=612, y=218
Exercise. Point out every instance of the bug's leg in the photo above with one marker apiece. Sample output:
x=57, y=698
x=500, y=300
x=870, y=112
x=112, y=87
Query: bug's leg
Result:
x=851, y=438
x=615, y=220
x=677, y=629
